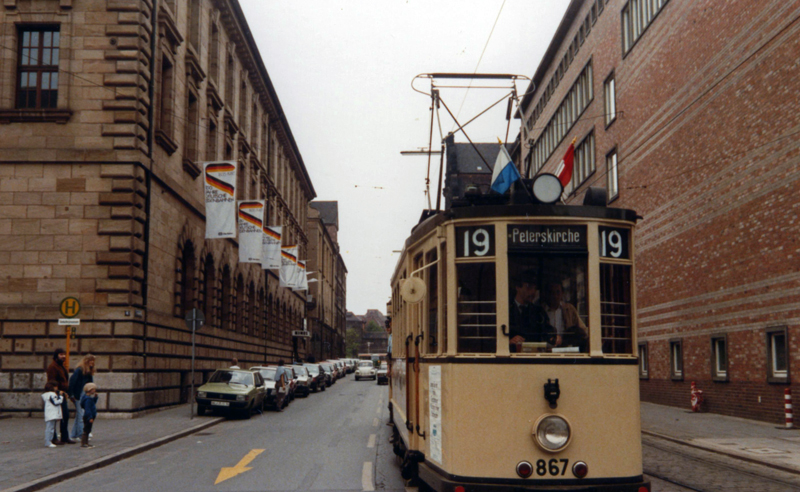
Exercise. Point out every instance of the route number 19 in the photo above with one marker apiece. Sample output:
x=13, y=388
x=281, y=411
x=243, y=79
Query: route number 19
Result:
x=474, y=241
x=614, y=243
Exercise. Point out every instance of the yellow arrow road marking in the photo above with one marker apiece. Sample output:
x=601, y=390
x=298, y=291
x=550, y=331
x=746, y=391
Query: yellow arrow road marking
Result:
x=241, y=467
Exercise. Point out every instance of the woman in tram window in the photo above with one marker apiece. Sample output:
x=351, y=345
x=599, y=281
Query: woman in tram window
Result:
x=568, y=330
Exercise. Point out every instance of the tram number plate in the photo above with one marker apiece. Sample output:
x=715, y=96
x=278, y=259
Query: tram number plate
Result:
x=614, y=242
x=552, y=467
x=475, y=241
x=221, y=403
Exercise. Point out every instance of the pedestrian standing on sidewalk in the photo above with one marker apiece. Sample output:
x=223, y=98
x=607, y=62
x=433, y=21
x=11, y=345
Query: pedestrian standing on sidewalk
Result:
x=235, y=363
x=52, y=412
x=58, y=373
x=83, y=373
x=89, y=404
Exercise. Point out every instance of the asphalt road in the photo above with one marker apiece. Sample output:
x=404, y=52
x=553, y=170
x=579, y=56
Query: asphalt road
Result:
x=337, y=440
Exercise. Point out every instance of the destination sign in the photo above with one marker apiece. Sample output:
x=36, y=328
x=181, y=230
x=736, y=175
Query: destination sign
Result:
x=529, y=237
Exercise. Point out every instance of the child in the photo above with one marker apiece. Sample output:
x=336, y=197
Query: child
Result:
x=53, y=398
x=89, y=405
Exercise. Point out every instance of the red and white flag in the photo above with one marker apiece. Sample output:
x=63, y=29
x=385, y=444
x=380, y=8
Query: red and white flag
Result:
x=564, y=170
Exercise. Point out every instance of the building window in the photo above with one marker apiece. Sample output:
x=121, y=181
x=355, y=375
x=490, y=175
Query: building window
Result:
x=209, y=290
x=610, y=100
x=213, y=54
x=612, y=172
x=636, y=17
x=584, y=165
x=644, y=364
x=38, y=67
x=777, y=355
x=719, y=358
x=186, y=279
x=676, y=359
x=569, y=111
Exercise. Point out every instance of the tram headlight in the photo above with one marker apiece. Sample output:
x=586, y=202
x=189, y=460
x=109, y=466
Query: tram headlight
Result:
x=552, y=432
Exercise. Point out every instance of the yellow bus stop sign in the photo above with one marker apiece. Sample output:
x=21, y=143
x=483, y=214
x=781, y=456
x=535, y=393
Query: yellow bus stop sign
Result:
x=70, y=307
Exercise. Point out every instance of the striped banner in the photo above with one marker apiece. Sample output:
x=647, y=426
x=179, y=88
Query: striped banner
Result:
x=220, y=191
x=271, y=247
x=251, y=223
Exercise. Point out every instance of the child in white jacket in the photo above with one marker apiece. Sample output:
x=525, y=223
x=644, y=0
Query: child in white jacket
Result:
x=53, y=398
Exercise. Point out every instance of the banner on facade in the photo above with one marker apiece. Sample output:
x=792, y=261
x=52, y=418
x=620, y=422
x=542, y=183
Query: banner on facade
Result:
x=301, y=280
x=288, y=267
x=251, y=224
x=271, y=247
x=220, y=191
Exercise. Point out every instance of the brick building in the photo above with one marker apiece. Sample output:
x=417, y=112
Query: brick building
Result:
x=326, y=320
x=688, y=112
x=107, y=108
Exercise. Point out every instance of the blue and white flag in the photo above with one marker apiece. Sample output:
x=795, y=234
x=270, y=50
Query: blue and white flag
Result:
x=505, y=172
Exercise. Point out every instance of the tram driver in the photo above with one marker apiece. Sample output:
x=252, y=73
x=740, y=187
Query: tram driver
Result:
x=527, y=319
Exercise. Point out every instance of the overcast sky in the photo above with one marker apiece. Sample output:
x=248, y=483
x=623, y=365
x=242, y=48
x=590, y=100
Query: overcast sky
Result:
x=343, y=70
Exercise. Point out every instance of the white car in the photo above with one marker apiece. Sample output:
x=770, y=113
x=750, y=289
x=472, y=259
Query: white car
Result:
x=366, y=369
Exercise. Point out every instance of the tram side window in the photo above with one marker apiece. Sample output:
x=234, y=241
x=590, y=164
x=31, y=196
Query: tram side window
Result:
x=615, y=309
x=548, y=308
x=433, y=301
x=443, y=280
x=477, y=308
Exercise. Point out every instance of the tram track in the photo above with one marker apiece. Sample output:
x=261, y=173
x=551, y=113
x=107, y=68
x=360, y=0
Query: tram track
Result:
x=705, y=471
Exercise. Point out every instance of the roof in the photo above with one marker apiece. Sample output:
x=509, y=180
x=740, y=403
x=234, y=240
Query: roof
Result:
x=555, y=44
x=328, y=211
x=463, y=159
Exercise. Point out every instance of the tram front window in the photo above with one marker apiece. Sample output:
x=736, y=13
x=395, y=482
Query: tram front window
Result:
x=477, y=308
x=548, y=304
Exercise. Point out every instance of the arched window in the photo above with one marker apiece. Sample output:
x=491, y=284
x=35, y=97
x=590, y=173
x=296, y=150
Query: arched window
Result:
x=261, y=309
x=207, y=285
x=225, y=299
x=255, y=325
x=187, y=278
x=240, y=322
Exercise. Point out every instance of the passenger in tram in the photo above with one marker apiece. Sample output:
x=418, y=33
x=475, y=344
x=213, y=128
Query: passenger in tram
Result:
x=527, y=319
x=567, y=328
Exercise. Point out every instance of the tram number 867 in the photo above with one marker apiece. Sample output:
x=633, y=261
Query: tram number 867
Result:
x=543, y=467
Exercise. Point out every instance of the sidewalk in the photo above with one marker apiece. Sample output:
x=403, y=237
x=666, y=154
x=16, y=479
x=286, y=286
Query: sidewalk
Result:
x=26, y=464
x=751, y=440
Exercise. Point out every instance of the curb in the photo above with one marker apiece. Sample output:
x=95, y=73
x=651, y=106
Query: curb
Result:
x=108, y=460
x=793, y=471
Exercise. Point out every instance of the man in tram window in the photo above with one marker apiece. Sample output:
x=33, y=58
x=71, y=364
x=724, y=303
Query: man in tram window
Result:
x=527, y=319
x=568, y=330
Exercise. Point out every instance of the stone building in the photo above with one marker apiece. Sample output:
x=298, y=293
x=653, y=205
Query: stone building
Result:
x=107, y=109
x=325, y=315
x=688, y=113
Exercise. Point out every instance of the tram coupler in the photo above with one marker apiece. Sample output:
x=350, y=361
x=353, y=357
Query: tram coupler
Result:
x=409, y=469
x=552, y=392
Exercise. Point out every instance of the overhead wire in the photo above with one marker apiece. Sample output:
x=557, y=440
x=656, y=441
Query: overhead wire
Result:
x=486, y=45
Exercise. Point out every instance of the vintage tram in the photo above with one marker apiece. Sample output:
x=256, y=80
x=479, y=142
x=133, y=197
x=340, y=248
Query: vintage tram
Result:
x=514, y=362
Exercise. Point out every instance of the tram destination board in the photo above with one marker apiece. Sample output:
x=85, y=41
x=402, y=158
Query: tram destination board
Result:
x=539, y=237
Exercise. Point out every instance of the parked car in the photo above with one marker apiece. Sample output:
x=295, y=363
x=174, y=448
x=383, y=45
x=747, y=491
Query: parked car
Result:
x=382, y=375
x=351, y=365
x=330, y=376
x=277, y=386
x=292, y=380
x=303, y=383
x=366, y=370
x=317, y=375
x=233, y=390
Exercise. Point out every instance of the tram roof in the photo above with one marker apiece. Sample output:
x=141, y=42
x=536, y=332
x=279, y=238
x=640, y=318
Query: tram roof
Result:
x=431, y=219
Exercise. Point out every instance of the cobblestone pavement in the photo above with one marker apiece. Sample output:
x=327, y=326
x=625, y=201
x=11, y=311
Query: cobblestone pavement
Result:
x=675, y=467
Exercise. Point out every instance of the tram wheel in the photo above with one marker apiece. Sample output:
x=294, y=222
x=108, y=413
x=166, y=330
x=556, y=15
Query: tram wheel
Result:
x=409, y=469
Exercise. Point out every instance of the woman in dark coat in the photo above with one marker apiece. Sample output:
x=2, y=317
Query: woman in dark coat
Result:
x=58, y=373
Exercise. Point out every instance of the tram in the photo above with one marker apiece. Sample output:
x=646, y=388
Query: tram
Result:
x=514, y=362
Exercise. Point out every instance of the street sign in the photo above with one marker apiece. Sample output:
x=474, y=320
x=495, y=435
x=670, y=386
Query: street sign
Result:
x=301, y=333
x=70, y=307
x=68, y=322
x=195, y=316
